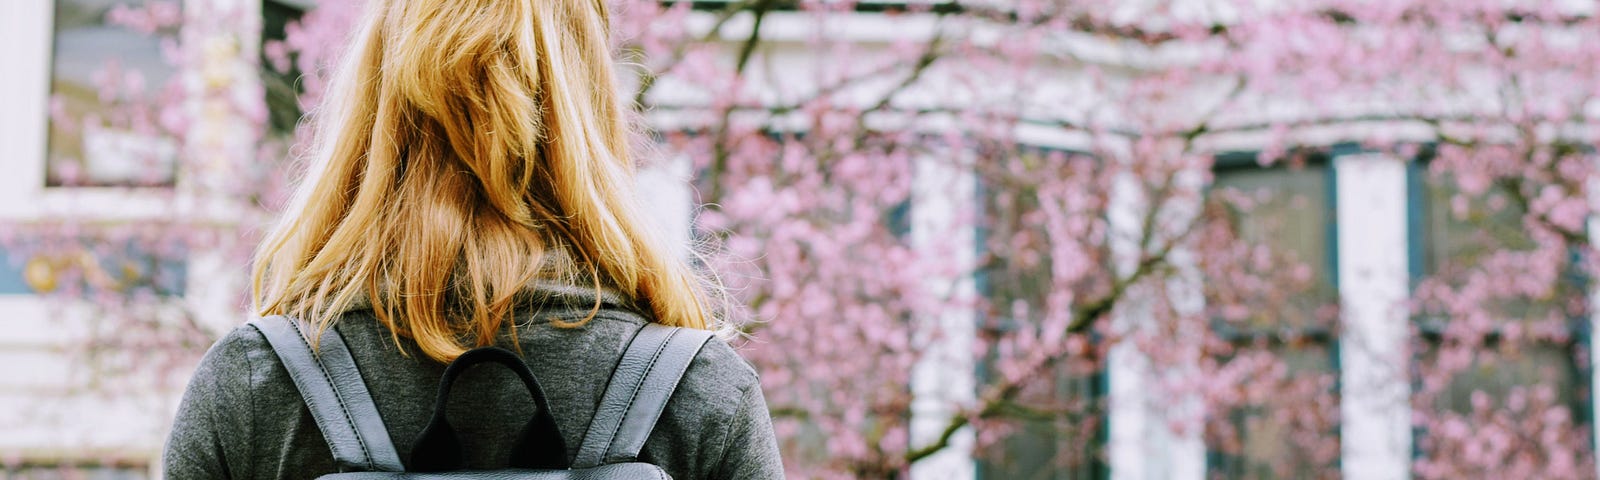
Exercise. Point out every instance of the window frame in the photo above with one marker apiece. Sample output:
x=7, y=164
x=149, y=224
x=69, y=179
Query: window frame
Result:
x=24, y=195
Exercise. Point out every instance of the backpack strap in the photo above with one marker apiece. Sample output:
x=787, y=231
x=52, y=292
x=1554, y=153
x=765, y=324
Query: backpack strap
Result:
x=638, y=392
x=335, y=394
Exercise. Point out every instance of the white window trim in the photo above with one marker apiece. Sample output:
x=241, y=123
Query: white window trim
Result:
x=26, y=26
x=1374, y=284
x=944, y=379
x=24, y=130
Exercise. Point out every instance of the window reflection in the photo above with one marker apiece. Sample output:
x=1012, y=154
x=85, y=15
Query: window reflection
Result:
x=103, y=80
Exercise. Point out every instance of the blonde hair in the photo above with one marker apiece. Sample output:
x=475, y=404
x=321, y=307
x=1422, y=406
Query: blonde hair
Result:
x=461, y=141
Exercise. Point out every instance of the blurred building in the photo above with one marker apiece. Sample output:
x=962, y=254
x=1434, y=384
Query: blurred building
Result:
x=1348, y=213
x=56, y=422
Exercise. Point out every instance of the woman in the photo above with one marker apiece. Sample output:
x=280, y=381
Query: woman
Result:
x=472, y=187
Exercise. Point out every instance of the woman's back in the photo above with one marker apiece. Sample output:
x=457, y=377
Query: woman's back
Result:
x=243, y=418
x=470, y=152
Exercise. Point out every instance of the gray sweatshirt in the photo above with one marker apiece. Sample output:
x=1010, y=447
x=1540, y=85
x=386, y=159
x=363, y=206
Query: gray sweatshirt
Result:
x=242, y=418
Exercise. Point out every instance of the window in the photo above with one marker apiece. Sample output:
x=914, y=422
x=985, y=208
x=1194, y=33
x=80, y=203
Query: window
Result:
x=103, y=129
x=1055, y=429
x=1282, y=218
x=1461, y=232
x=281, y=78
x=1533, y=345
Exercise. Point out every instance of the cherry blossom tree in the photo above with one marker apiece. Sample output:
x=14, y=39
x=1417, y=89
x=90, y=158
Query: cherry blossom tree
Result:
x=1068, y=156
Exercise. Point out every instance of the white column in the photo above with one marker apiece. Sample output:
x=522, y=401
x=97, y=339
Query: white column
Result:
x=664, y=195
x=222, y=142
x=1143, y=442
x=25, y=29
x=944, y=378
x=1375, y=437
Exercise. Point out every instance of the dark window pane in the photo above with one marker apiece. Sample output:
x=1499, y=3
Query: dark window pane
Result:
x=1057, y=433
x=1497, y=375
x=1286, y=212
x=1291, y=433
x=1054, y=429
x=281, y=82
x=41, y=266
x=1462, y=231
x=1463, y=228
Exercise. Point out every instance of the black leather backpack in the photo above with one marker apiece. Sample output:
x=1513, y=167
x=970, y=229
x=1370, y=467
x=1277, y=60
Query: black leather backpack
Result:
x=343, y=409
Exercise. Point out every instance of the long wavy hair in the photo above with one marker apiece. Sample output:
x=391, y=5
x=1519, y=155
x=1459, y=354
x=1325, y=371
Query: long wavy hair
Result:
x=461, y=144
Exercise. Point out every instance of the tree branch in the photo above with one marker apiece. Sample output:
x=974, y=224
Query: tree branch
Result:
x=995, y=398
x=647, y=79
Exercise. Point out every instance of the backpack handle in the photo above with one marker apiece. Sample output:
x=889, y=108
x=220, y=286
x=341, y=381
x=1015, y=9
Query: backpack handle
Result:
x=539, y=445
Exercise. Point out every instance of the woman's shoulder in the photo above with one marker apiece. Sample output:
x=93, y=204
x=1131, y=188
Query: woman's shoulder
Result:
x=244, y=359
x=231, y=361
x=720, y=366
x=244, y=369
x=717, y=368
x=715, y=406
x=716, y=379
x=241, y=414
